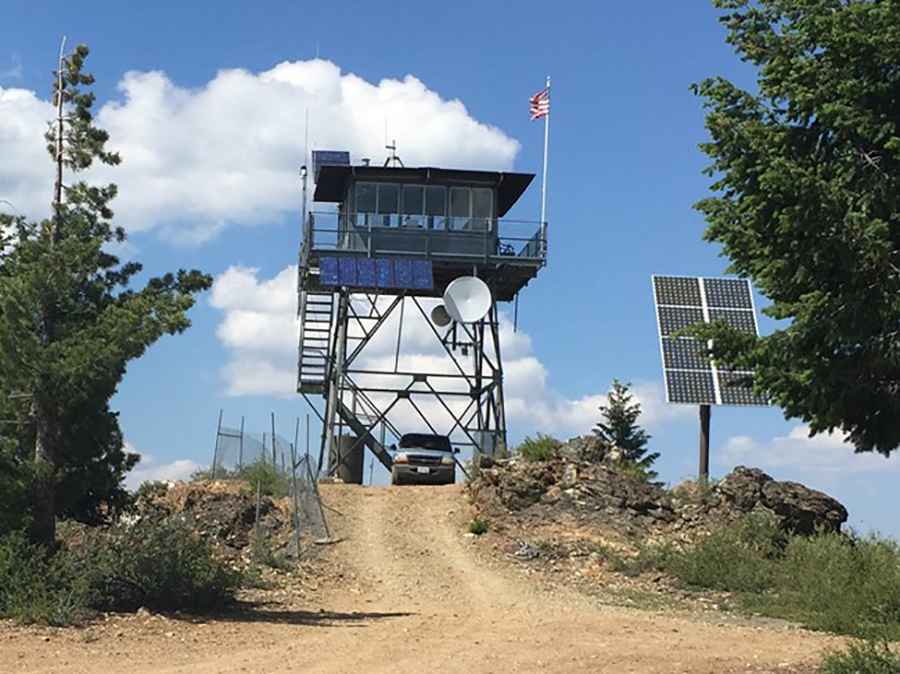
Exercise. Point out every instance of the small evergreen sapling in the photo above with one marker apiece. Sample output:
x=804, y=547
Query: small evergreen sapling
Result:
x=618, y=428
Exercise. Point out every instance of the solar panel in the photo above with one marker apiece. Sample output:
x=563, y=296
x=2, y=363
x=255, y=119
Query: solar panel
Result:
x=684, y=354
x=403, y=273
x=673, y=319
x=690, y=386
x=691, y=377
x=422, y=275
x=677, y=290
x=365, y=272
x=328, y=271
x=736, y=389
x=736, y=318
x=347, y=271
x=728, y=293
x=384, y=271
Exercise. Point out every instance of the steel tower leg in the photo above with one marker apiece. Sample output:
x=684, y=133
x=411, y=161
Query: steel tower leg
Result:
x=336, y=377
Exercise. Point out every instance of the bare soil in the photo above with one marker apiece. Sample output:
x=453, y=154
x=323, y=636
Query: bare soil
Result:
x=406, y=590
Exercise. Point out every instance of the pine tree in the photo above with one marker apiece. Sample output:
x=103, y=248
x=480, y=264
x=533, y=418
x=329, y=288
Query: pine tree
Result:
x=807, y=176
x=619, y=429
x=69, y=323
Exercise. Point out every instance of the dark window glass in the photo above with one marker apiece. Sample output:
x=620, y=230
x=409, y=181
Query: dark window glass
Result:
x=460, y=207
x=389, y=204
x=435, y=206
x=365, y=197
x=413, y=206
x=482, y=207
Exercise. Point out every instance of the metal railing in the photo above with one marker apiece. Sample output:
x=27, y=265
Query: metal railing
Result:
x=465, y=238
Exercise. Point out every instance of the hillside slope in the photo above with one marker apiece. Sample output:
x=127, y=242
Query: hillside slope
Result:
x=406, y=590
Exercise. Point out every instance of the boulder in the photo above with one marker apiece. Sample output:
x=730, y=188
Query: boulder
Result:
x=798, y=509
x=803, y=510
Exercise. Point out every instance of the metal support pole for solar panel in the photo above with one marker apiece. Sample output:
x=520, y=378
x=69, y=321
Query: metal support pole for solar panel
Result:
x=705, y=413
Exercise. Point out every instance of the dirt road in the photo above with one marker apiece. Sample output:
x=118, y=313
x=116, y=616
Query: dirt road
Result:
x=414, y=594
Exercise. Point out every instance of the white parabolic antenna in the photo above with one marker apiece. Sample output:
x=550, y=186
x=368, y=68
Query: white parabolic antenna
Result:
x=467, y=299
x=440, y=317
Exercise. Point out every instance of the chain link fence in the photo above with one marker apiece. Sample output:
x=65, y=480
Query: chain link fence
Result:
x=273, y=467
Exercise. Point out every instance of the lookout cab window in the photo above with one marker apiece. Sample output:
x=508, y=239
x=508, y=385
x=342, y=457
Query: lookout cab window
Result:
x=366, y=199
x=436, y=207
x=482, y=208
x=388, y=205
x=413, y=206
x=460, y=207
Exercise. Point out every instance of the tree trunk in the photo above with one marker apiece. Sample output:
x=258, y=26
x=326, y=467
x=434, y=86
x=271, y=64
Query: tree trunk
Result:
x=46, y=452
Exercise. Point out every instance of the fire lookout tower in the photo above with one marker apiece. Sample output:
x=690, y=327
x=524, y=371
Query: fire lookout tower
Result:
x=391, y=239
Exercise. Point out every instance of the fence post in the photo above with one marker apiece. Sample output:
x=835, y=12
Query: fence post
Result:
x=216, y=448
x=274, y=457
x=241, y=447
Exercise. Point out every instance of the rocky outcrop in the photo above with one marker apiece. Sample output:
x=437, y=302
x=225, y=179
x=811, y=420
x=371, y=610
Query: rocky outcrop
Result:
x=798, y=508
x=587, y=480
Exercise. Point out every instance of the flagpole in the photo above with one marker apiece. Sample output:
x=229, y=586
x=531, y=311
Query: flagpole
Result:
x=544, y=178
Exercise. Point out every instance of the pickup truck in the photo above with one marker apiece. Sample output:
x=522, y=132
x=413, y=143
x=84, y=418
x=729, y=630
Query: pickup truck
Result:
x=423, y=458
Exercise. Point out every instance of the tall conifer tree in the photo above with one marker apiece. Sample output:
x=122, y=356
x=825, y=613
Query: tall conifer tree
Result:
x=70, y=323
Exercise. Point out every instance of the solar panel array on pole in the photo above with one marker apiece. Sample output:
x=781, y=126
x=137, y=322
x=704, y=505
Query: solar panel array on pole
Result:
x=690, y=376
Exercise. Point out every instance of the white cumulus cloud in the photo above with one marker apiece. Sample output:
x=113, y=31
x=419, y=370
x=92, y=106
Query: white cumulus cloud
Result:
x=149, y=469
x=826, y=454
x=197, y=160
x=259, y=330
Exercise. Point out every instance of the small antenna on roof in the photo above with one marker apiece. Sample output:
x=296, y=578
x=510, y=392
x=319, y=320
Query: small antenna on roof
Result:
x=393, y=159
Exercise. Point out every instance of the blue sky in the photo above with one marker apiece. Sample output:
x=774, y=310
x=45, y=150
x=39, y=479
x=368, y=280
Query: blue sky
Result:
x=625, y=170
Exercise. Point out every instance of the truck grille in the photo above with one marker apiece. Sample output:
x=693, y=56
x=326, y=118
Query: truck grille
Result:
x=425, y=460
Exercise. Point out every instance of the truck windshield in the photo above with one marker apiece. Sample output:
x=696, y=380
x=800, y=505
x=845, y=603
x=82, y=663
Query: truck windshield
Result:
x=440, y=443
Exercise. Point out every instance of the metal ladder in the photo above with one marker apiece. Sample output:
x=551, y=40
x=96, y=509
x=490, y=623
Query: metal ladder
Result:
x=316, y=324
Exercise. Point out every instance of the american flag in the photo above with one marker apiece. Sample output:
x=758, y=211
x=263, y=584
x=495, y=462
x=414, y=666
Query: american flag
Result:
x=540, y=104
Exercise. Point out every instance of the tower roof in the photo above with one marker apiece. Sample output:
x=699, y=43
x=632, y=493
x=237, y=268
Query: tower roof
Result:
x=332, y=181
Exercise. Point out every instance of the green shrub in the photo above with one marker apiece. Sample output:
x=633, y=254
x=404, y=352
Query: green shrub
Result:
x=541, y=448
x=732, y=559
x=827, y=581
x=162, y=565
x=271, y=481
x=478, y=526
x=36, y=586
x=839, y=584
x=865, y=657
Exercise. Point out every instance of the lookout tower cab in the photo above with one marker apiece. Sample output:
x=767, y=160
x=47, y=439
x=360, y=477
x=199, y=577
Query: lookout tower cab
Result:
x=379, y=236
x=452, y=219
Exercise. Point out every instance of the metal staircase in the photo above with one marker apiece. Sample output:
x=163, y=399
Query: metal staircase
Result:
x=314, y=351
